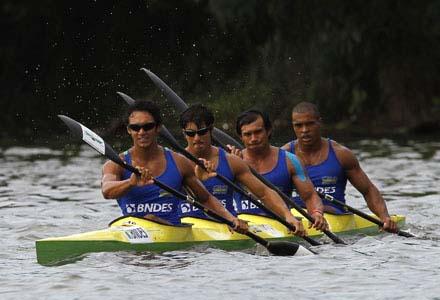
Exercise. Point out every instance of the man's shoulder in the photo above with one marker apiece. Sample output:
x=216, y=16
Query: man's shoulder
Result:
x=274, y=150
x=337, y=147
x=287, y=146
x=344, y=154
x=178, y=158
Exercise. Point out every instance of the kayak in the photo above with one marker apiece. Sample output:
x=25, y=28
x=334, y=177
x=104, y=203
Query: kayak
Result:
x=130, y=233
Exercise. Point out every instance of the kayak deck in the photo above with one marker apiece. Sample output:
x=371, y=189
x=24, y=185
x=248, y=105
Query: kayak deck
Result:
x=137, y=234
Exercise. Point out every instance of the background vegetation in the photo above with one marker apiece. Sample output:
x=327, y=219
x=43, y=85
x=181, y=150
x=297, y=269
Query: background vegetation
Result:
x=373, y=67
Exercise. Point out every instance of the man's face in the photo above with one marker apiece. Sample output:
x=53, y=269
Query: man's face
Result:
x=142, y=128
x=198, y=138
x=307, y=127
x=254, y=135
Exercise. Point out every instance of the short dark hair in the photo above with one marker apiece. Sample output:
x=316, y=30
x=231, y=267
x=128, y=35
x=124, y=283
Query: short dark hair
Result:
x=197, y=113
x=306, y=107
x=146, y=106
x=251, y=116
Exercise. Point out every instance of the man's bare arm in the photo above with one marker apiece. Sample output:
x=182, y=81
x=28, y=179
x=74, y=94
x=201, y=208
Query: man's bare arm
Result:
x=359, y=179
x=112, y=187
x=306, y=191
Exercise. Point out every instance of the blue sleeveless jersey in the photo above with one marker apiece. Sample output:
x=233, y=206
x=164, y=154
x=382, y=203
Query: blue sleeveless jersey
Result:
x=279, y=176
x=216, y=187
x=328, y=178
x=150, y=199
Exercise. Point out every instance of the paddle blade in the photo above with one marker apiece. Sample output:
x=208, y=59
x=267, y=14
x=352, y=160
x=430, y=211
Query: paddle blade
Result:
x=128, y=99
x=80, y=131
x=405, y=234
x=92, y=139
x=285, y=248
x=169, y=93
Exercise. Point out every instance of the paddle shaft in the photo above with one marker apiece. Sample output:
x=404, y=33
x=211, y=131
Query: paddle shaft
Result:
x=361, y=213
x=167, y=135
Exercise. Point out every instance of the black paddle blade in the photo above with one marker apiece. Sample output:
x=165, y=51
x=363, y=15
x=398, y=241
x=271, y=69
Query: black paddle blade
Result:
x=169, y=93
x=128, y=99
x=285, y=248
x=93, y=140
x=75, y=127
x=405, y=234
x=81, y=132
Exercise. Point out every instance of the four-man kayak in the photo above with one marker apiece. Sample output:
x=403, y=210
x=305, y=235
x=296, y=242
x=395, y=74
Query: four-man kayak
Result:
x=137, y=234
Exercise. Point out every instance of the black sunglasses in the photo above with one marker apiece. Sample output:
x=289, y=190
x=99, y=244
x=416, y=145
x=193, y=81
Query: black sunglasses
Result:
x=145, y=126
x=192, y=133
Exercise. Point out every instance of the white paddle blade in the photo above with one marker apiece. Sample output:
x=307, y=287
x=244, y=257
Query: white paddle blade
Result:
x=94, y=140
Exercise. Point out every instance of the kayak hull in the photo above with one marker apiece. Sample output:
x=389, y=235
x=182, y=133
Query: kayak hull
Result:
x=140, y=235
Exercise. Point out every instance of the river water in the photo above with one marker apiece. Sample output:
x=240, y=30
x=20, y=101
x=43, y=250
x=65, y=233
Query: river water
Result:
x=46, y=192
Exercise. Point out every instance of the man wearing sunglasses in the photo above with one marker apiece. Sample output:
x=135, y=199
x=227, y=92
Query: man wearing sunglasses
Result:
x=279, y=167
x=137, y=195
x=197, y=123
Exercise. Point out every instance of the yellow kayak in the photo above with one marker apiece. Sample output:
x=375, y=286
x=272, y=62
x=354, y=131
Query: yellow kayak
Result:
x=137, y=234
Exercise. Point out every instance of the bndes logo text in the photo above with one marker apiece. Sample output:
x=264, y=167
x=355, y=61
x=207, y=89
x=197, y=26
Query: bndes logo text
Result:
x=186, y=207
x=149, y=207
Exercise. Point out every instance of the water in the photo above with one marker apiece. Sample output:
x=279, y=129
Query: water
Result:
x=46, y=192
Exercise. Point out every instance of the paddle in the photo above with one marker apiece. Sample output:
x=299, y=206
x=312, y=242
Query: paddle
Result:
x=128, y=99
x=281, y=248
x=361, y=214
x=166, y=134
x=223, y=139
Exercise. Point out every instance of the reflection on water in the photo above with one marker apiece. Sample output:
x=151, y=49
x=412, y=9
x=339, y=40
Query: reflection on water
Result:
x=55, y=192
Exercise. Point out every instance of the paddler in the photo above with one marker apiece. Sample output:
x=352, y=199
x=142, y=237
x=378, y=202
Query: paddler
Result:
x=137, y=195
x=197, y=123
x=330, y=164
x=276, y=165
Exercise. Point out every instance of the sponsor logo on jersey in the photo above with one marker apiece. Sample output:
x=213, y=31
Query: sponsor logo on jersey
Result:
x=149, y=208
x=219, y=189
x=329, y=180
x=186, y=208
x=246, y=204
x=326, y=189
x=320, y=189
x=130, y=208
